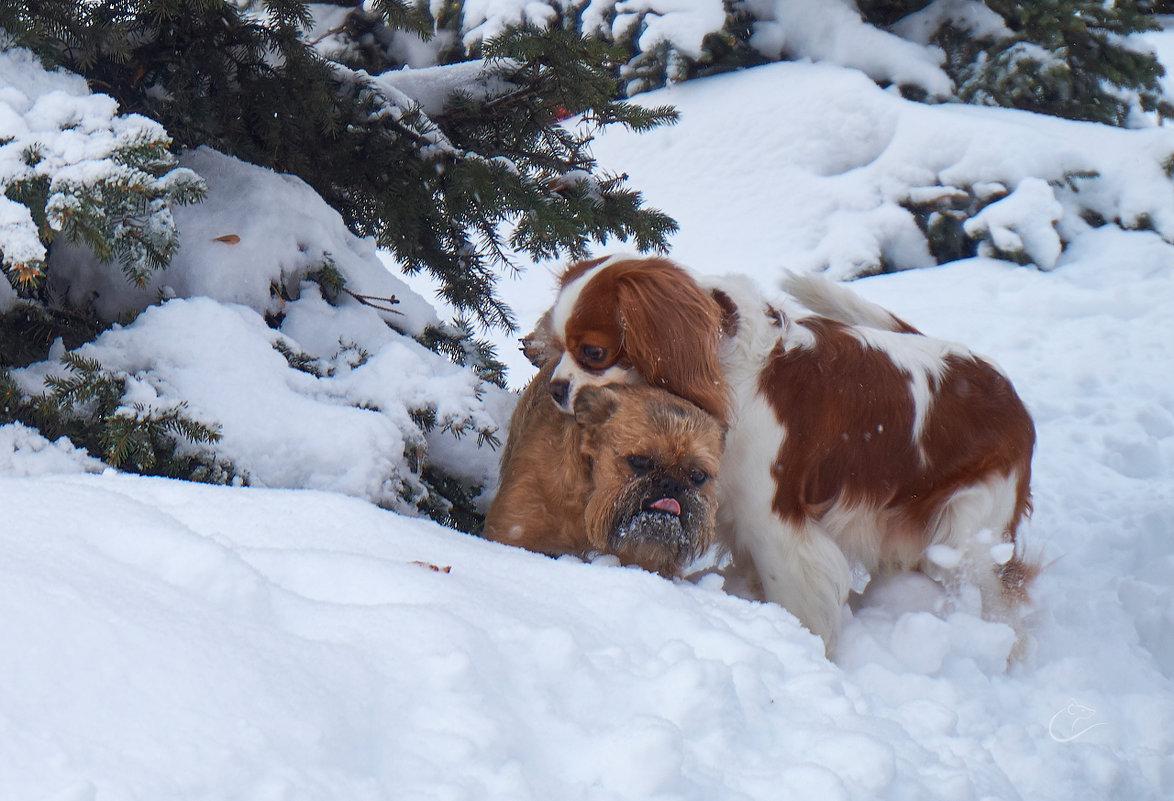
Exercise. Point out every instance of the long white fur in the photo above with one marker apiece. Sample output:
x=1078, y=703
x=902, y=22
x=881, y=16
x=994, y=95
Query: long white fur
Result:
x=836, y=302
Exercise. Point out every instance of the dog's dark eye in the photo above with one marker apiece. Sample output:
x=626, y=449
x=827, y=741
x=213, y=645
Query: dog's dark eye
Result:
x=640, y=463
x=698, y=477
x=593, y=354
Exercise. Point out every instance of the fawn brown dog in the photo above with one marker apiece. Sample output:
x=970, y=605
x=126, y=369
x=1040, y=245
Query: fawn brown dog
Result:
x=632, y=472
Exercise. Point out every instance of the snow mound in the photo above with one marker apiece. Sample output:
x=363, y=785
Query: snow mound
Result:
x=307, y=393
x=24, y=452
x=821, y=170
x=261, y=643
x=350, y=431
x=256, y=236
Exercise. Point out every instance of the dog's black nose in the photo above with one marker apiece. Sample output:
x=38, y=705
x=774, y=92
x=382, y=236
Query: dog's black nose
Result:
x=669, y=487
x=559, y=390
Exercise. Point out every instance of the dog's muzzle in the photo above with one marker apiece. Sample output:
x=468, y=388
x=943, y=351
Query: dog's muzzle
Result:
x=660, y=530
x=662, y=521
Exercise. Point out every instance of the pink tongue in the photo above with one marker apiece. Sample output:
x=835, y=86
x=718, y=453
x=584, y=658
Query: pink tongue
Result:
x=669, y=505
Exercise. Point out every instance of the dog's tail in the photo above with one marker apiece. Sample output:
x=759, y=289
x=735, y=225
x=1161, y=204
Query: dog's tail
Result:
x=837, y=302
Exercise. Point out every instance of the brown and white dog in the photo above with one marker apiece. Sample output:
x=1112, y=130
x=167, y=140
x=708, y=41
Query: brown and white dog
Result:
x=631, y=472
x=853, y=437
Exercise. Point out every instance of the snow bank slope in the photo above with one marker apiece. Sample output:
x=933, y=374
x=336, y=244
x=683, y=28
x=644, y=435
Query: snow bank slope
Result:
x=165, y=640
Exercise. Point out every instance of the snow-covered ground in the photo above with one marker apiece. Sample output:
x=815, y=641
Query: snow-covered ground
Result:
x=170, y=640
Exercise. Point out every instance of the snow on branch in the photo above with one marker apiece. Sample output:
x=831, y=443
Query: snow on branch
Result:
x=71, y=165
x=833, y=31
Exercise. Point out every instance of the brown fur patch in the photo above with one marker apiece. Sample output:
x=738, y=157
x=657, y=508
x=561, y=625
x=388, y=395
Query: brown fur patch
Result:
x=849, y=414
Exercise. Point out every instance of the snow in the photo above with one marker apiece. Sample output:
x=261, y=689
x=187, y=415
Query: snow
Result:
x=1022, y=223
x=246, y=256
x=816, y=168
x=976, y=19
x=172, y=640
x=24, y=80
x=432, y=87
x=19, y=233
x=1163, y=46
x=683, y=24
x=24, y=452
x=196, y=641
x=833, y=31
x=823, y=30
x=52, y=128
x=255, y=230
x=485, y=19
x=220, y=359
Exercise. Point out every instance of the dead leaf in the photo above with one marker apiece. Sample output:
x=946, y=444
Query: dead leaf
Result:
x=228, y=239
x=434, y=568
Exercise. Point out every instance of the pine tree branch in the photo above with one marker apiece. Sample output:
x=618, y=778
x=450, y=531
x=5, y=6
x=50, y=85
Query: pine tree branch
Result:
x=382, y=304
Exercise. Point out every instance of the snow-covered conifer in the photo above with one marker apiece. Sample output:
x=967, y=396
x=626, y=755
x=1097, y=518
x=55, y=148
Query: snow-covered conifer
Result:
x=1069, y=58
x=71, y=166
x=456, y=169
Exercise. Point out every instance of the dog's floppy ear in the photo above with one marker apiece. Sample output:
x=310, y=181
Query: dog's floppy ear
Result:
x=538, y=346
x=594, y=404
x=671, y=335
